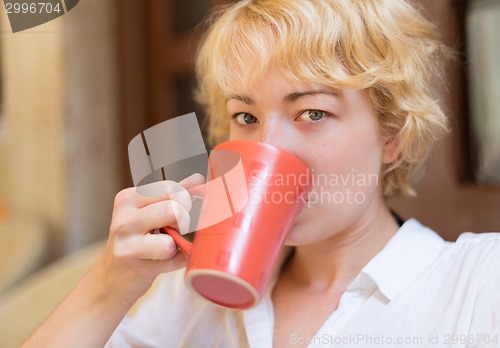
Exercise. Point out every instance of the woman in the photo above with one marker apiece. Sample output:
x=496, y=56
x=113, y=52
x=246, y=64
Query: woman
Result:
x=348, y=87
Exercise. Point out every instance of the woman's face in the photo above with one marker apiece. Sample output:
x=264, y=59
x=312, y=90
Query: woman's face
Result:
x=334, y=132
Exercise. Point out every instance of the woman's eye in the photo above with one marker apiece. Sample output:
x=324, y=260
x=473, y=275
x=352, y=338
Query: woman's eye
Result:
x=312, y=115
x=244, y=118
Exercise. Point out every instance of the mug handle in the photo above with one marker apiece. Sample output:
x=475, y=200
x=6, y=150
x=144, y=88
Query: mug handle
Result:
x=185, y=246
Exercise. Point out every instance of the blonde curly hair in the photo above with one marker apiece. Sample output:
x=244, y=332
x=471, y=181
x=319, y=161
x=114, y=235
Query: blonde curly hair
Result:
x=384, y=46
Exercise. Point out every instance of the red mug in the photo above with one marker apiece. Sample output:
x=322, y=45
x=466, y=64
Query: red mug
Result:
x=233, y=255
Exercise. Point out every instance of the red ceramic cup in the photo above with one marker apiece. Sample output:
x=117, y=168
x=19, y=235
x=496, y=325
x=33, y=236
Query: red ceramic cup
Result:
x=233, y=256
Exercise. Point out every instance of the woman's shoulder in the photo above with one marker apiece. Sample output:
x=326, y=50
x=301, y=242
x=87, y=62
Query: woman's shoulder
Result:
x=468, y=246
x=484, y=237
x=482, y=252
x=473, y=255
x=484, y=246
x=476, y=255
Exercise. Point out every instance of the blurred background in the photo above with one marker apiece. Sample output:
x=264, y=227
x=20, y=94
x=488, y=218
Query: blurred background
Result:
x=76, y=90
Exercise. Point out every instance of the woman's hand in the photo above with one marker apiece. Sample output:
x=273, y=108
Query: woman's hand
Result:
x=136, y=253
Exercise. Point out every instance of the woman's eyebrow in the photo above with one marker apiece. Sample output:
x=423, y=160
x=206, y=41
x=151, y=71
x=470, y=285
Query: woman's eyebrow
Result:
x=245, y=99
x=289, y=98
x=292, y=97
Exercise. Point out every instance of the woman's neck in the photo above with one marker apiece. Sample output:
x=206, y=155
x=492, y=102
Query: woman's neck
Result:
x=335, y=262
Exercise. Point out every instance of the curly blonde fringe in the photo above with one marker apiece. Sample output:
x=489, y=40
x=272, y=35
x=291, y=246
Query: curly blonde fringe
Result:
x=385, y=46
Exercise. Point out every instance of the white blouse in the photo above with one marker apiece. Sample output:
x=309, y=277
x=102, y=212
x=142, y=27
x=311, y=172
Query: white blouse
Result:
x=418, y=291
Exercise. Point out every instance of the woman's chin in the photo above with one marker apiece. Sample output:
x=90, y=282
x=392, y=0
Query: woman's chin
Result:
x=296, y=236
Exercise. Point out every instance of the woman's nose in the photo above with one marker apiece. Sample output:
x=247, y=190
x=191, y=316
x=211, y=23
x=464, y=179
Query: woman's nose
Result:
x=276, y=133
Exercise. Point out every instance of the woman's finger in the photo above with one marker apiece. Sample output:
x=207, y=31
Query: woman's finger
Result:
x=146, y=247
x=158, y=191
x=192, y=181
x=161, y=214
x=169, y=189
x=164, y=266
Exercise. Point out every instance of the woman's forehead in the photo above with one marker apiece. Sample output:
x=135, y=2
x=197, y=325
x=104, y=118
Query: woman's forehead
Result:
x=288, y=86
x=244, y=85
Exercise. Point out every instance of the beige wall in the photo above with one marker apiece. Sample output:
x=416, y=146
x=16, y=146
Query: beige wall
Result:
x=58, y=152
x=444, y=202
x=92, y=119
x=34, y=175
